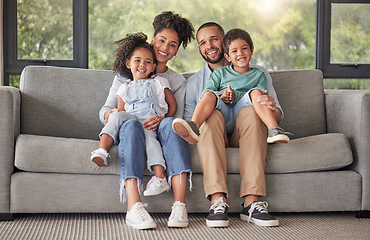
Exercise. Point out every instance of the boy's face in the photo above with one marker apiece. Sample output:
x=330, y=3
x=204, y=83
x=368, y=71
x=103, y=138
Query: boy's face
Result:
x=240, y=55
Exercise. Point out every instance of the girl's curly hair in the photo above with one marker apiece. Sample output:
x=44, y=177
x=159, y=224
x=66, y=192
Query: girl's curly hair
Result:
x=126, y=47
x=180, y=25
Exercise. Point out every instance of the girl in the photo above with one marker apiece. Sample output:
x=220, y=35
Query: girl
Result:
x=144, y=96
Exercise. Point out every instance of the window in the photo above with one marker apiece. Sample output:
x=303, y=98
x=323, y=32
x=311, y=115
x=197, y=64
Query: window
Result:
x=343, y=38
x=44, y=32
x=287, y=34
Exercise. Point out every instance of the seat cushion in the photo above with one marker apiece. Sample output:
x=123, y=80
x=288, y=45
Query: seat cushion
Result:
x=69, y=155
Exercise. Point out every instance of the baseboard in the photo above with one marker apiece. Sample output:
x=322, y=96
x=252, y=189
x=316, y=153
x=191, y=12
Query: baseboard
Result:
x=6, y=216
x=363, y=214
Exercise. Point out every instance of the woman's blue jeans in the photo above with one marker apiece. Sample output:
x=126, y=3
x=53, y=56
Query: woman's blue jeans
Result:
x=131, y=152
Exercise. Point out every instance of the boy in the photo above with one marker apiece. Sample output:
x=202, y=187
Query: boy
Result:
x=230, y=89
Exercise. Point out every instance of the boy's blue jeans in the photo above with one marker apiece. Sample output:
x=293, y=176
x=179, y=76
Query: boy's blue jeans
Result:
x=131, y=152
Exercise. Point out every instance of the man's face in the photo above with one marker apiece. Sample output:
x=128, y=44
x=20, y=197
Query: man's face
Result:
x=210, y=44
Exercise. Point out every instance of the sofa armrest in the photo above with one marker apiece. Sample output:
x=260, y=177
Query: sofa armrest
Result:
x=348, y=112
x=10, y=99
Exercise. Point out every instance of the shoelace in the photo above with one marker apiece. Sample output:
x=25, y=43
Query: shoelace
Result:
x=156, y=182
x=140, y=211
x=281, y=131
x=259, y=206
x=178, y=210
x=219, y=206
x=101, y=152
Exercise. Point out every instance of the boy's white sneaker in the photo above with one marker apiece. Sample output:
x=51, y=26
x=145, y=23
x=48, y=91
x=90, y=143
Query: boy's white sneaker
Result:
x=100, y=157
x=139, y=218
x=156, y=186
x=179, y=215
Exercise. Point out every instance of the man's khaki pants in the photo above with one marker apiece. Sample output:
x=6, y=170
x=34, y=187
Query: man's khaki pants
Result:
x=250, y=136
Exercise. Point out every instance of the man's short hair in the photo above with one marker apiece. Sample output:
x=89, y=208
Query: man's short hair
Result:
x=212, y=24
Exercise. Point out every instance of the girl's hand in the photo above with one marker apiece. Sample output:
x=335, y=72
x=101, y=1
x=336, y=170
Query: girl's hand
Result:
x=108, y=112
x=267, y=100
x=153, y=122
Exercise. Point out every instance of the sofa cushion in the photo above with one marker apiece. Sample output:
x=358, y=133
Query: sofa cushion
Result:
x=69, y=155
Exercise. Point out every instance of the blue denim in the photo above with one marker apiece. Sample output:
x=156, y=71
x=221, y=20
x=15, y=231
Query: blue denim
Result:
x=175, y=150
x=131, y=153
x=230, y=110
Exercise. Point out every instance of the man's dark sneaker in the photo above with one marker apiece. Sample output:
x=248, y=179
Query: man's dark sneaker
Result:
x=188, y=130
x=218, y=214
x=257, y=213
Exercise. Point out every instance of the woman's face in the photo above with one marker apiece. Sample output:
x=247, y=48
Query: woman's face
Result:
x=166, y=45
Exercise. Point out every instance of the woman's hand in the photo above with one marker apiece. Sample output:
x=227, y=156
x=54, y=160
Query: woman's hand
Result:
x=153, y=122
x=267, y=100
x=108, y=112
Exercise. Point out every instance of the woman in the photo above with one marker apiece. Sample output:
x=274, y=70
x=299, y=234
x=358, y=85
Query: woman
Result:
x=170, y=32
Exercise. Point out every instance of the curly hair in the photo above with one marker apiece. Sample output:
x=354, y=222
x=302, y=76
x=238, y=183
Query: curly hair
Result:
x=180, y=25
x=234, y=34
x=126, y=47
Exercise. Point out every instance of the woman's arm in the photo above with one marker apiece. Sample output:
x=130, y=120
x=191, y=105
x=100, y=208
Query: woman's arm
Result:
x=171, y=102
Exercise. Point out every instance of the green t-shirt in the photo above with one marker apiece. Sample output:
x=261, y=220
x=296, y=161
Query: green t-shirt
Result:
x=241, y=83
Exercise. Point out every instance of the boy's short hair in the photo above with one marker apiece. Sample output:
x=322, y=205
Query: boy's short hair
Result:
x=234, y=34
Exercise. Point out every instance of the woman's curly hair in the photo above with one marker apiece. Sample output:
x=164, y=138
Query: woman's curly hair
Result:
x=127, y=46
x=180, y=25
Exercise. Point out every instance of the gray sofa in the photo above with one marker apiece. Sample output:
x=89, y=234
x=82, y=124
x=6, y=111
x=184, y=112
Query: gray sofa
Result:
x=50, y=125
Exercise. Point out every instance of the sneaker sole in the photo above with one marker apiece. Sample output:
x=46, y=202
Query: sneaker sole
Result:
x=141, y=226
x=184, y=130
x=146, y=194
x=99, y=161
x=278, y=139
x=263, y=223
x=181, y=224
x=217, y=223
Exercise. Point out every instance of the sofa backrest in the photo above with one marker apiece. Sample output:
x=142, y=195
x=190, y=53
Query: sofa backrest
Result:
x=301, y=95
x=63, y=102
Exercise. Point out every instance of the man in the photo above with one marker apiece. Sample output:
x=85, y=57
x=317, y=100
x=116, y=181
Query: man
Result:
x=250, y=133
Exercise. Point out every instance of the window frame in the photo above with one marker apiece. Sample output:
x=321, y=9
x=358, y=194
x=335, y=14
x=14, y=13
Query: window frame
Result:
x=323, y=37
x=14, y=66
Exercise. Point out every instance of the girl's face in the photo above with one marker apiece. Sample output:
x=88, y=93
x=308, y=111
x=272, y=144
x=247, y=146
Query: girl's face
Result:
x=166, y=45
x=141, y=63
x=240, y=55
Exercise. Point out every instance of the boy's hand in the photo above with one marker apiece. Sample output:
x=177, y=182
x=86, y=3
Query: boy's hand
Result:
x=228, y=96
x=267, y=100
x=153, y=122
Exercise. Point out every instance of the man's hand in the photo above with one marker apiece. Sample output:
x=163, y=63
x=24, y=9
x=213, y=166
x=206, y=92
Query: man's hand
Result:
x=108, y=112
x=267, y=100
x=153, y=122
x=228, y=96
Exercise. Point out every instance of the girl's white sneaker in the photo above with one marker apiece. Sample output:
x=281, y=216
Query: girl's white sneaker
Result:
x=100, y=157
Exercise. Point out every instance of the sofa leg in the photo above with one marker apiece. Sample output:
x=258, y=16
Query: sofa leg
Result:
x=363, y=214
x=6, y=216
